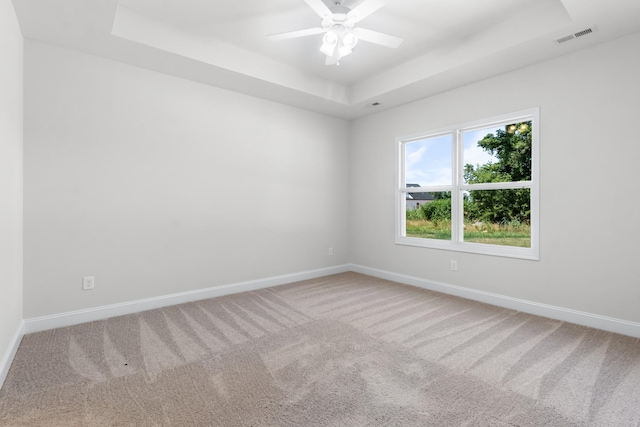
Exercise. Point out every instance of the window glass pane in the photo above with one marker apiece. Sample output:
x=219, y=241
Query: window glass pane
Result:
x=498, y=217
x=428, y=161
x=431, y=219
x=497, y=154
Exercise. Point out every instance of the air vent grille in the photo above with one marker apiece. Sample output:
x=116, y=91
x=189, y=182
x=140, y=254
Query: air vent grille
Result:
x=565, y=38
x=574, y=35
x=583, y=32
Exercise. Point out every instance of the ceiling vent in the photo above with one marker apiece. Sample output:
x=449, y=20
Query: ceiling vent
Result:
x=575, y=35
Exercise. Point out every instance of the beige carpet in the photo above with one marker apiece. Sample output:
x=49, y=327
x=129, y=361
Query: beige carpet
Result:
x=345, y=350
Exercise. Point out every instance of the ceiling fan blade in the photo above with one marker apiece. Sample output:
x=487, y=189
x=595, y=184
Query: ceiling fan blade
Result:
x=294, y=34
x=319, y=7
x=377, y=38
x=365, y=9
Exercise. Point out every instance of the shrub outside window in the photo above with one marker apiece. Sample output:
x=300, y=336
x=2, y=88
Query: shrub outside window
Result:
x=472, y=187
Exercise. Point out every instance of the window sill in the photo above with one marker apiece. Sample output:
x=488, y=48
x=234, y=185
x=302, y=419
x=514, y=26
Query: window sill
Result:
x=476, y=248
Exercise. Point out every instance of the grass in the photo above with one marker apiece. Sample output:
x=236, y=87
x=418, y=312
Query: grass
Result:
x=428, y=230
x=493, y=234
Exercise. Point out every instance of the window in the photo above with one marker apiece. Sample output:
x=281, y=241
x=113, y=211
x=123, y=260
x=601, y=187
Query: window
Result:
x=472, y=187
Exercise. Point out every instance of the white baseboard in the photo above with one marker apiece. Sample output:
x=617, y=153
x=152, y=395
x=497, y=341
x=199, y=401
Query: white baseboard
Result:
x=610, y=324
x=9, y=354
x=43, y=323
x=37, y=324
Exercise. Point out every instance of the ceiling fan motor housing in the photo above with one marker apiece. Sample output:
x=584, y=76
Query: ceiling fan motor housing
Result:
x=339, y=17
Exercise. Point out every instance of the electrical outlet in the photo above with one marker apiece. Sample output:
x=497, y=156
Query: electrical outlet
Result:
x=454, y=265
x=330, y=251
x=88, y=283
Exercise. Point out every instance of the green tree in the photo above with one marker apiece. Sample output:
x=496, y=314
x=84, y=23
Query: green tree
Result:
x=438, y=210
x=512, y=147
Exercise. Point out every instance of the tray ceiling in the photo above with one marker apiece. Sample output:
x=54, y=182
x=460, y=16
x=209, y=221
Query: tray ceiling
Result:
x=221, y=43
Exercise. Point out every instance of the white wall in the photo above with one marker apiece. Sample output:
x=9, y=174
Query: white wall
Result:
x=157, y=185
x=10, y=182
x=590, y=154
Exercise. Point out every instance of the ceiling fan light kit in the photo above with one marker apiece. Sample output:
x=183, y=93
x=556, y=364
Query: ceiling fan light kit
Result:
x=340, y=36
x=338, y=42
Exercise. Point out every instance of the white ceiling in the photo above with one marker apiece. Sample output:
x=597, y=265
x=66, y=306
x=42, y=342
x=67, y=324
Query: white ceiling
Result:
x=447, y=43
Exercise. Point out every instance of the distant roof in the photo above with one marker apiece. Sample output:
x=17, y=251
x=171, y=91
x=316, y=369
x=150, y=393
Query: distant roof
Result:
x=419, y=196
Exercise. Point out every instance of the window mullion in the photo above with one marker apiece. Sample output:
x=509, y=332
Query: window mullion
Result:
x=456, y=208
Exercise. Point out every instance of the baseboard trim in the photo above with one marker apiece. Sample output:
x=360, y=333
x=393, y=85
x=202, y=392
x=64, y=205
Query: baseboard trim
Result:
x=10, y=353
x=43, y=323
x=605, y=323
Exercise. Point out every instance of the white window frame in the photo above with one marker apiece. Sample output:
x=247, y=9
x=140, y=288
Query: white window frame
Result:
x=458, y=188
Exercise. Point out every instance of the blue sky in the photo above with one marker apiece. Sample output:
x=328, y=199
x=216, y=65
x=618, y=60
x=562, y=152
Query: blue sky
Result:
x=428, y=161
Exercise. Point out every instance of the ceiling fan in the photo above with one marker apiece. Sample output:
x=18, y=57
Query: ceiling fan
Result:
x=338, y=26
